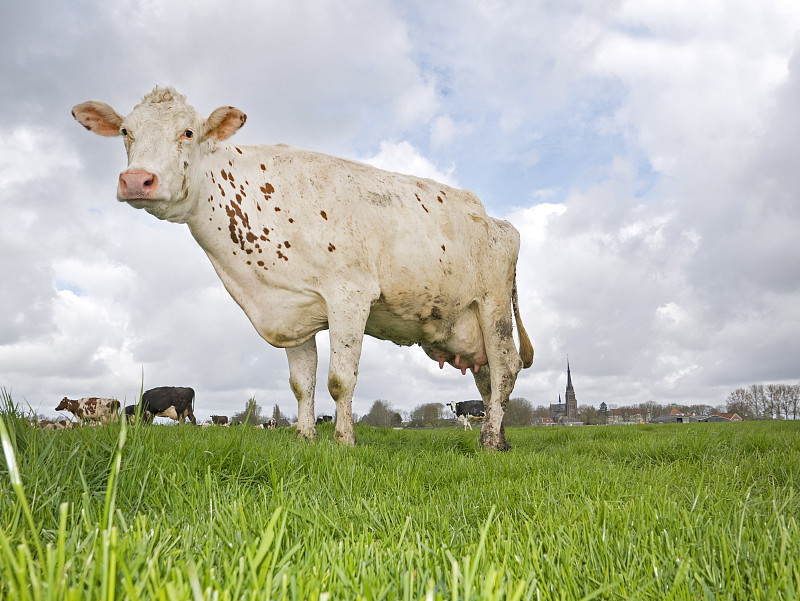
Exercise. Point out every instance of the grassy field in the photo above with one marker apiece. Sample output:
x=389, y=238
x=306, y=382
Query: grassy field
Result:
x=696, y=511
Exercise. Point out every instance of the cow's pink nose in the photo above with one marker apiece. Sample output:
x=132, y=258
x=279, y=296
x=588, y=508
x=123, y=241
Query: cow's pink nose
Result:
x=137, y=183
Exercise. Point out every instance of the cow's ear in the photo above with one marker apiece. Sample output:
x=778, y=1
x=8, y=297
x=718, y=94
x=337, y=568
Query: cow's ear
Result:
x=224, y=122
x=98, y=117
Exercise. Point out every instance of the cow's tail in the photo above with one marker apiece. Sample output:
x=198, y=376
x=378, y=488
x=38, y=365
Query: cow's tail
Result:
x=525, y=346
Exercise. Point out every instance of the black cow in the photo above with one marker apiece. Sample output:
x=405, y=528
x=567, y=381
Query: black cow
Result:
x=174, y=402
x=468, y=411
x=219, y=420
x=321, y=419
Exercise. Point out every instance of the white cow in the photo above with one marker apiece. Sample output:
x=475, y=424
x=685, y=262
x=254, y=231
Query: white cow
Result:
x=305, y=242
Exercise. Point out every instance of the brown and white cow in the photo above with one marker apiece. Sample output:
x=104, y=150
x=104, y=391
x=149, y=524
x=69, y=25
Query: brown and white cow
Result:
x=306, y=242
x=91, y=409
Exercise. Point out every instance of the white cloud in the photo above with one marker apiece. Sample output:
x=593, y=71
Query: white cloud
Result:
x=402, y=157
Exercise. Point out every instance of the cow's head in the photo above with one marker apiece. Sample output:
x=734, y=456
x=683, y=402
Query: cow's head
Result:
x=164, y=138
x=67, y=405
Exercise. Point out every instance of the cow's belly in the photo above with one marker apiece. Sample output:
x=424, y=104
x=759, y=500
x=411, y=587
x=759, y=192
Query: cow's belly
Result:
x=455, y=337
x=169, y=412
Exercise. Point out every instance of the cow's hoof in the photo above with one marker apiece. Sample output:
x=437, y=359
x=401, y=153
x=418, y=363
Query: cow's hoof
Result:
x=494, y=442
x=307, y=435
x=345, y=440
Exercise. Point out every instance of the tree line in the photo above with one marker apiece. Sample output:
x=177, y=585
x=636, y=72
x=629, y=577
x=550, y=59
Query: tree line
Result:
x=770, y=401
x=759, y=401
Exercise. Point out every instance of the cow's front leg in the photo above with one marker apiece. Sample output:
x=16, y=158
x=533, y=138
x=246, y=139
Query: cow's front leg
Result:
x=303, y=380
x=347, y=334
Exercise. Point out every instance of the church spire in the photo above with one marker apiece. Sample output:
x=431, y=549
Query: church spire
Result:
x=569, y=378
x=569, y=398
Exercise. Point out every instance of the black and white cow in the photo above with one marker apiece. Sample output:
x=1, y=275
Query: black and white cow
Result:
x=322, y=419
x=174, y=402
x=270, y=424
x=468, y=411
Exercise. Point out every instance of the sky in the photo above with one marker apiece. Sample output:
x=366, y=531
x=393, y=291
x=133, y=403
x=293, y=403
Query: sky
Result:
x=648, y=152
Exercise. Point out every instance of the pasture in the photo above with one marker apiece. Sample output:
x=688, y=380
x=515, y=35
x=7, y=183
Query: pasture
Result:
x=696, y=511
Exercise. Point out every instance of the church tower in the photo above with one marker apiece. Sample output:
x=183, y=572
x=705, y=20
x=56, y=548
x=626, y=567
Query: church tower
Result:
x=570, y=401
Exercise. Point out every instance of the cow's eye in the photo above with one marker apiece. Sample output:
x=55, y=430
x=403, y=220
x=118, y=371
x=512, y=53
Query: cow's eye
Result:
x=123, y=131
x=188, y=134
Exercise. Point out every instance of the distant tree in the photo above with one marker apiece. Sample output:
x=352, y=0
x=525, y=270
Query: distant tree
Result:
x=280, y=419
x=250, y=415
x=429, y=415
x=519, y=412
x=651, y=410
x=541, y=411
x=758, y=402
x=589, y=415
x=739, y=402
x=382, y=415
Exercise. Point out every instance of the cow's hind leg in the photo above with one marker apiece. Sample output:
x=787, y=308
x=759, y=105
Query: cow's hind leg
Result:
x=504, y=365
x=303, y=380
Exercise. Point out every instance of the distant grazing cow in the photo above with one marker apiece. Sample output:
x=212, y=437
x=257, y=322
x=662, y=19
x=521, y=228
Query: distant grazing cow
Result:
x=324, y=419
x=270, y=424
x=306, y=242
x=174, y=402
x=91, y=409
x=468, y=411
x=219, y=420
x=62, y=424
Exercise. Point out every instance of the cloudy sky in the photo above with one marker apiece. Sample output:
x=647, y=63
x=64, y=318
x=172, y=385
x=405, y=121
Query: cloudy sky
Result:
x=648, y=152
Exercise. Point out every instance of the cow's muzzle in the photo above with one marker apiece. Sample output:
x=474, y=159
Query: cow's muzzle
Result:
x=137, y=184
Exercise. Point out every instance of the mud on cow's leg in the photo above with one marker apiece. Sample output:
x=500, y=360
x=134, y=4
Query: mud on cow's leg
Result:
x=303, y=380
x=504, y=365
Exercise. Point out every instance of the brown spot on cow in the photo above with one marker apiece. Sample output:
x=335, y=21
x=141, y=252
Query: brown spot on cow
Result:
x=286, y=244
x=277, y=209
x=260, y=263
x=439, y=198
x=268, y=189
x=258, y=206
x=291, y=220
x=282, y=256
x=263, y=167
x=443, y=248
x=331, y=247
x=426, y=209
x=238, y=199
x=266, y=231
x=250, y=237
x=324, y=215
x=224, y=175
x=238, y=150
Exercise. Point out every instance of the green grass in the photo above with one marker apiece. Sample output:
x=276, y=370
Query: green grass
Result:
x=694, y=511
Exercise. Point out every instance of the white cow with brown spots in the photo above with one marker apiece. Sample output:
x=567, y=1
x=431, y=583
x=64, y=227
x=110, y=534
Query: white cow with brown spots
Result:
x=306, y=242
x=91, y=409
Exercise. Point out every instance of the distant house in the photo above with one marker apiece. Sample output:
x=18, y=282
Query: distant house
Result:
x=624, y=416
x=731, y=417
x=545, y=421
